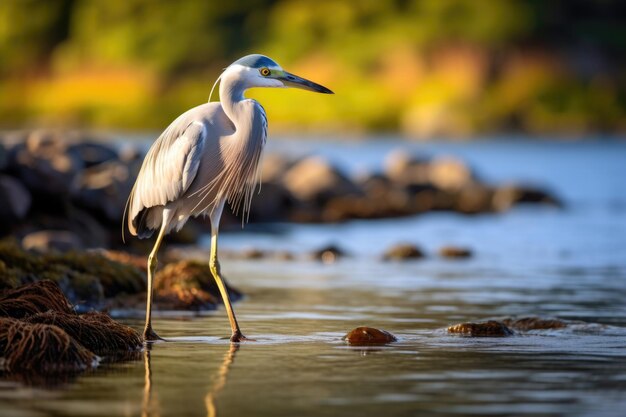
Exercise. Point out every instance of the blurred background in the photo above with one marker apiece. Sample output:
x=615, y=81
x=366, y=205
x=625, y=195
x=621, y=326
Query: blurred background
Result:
x=424, y=68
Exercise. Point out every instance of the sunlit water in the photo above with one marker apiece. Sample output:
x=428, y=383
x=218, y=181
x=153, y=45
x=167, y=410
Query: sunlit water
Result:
x=569, y=264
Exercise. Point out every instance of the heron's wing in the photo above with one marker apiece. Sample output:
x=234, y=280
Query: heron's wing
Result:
x=169, y=167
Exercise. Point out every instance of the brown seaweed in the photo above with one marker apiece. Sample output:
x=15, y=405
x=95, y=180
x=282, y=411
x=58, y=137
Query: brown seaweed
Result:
x=96, y=331
x=30, y=299
x=44, y=348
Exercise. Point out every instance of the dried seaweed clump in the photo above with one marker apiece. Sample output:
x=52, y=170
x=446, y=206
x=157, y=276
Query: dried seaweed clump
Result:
x=30, y=299
x=96, y=331
x=40, y=332
x=43, y=348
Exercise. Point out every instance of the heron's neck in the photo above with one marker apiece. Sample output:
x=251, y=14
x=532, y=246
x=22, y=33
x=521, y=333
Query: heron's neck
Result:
x=231, y=95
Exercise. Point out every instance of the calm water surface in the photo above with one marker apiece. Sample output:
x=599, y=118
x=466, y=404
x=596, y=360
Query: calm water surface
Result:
x=569, y=264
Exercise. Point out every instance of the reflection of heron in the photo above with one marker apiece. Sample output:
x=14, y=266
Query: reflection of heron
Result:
x=207, y=156
x=209, y=400
x=149, y=408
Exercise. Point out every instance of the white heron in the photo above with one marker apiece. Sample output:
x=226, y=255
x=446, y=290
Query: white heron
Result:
x=206, y=157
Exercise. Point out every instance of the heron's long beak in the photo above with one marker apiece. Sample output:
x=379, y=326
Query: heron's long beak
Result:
x=291, y=80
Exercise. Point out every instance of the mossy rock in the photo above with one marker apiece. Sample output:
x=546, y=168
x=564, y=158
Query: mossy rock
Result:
x=87, y=278
x=189, y=285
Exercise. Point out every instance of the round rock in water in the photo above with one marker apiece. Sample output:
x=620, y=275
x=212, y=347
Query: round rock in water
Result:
x=403, y=251
x=364, y=336
x=455, y=252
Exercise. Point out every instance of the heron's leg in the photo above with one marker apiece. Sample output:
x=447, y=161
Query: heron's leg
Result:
x=214, y=264
x=148, y=333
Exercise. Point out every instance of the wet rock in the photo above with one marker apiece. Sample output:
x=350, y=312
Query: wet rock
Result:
x=3, y=157
x=104, y=189
x=138, y=261
x=283, y=255
x=51, y=240
x=474, y=199
x=404, y=168
x=455, y=252
x=253, y=253
x=489, y=328
x=44, y=165
x=274, y=167
x=403, y=251
x=449, y=173
x=534, y=323
x=87, y=279
x=364, y=336
x=92, y=153
x=315, y=180
x=506, y=197
x=328, y=254
x=273, y=203
x=15, y=197
x=189, y=285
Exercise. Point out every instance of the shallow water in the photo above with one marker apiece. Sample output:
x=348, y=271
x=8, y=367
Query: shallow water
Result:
x=569, y=264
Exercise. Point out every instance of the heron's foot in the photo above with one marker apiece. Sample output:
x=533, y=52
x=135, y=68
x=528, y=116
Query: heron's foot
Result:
x=150, y=335
x=238, y=337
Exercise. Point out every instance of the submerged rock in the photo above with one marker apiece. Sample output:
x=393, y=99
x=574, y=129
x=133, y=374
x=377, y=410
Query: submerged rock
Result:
x=402, y=251
x=534, y=323
x=455, y=252
x=507, y=196
x=491, y=328
x=363, y=336
x=328, y=254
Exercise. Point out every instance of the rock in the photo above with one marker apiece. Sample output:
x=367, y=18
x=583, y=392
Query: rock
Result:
x=139, y=262
x=402, y=251
x=364, y=336
x=455, y=252
x=44, y=164
x=92, y=153
x=474, y=198
x=489, y=328
x=315, y=180
x=86, y=278
x=328, y=254
x=253, y=253
x=534, y=323
x=405, y=169
x=189, y=285
x=16, y=199
x=104, y=189
x=449, y=173
x=283, y=255
x=3, y=157
x=506, y=197
x=51, y=240
x=272, y=204
x=274, y=167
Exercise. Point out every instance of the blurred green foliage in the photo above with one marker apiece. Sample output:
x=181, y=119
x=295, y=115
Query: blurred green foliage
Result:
x=424, y=67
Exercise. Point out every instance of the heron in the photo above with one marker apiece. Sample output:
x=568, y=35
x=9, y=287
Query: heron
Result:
x=206, y=157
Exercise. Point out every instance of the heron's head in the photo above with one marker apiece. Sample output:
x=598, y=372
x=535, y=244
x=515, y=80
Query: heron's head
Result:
x=260, y=71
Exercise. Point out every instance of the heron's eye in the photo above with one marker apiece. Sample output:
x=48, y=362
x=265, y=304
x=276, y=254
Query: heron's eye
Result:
x=265, y=72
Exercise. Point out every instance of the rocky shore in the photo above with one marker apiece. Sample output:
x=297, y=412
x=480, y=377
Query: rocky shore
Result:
x=68, y=191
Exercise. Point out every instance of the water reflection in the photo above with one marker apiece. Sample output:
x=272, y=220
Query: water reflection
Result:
x=209, y=400
x=150, y=405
